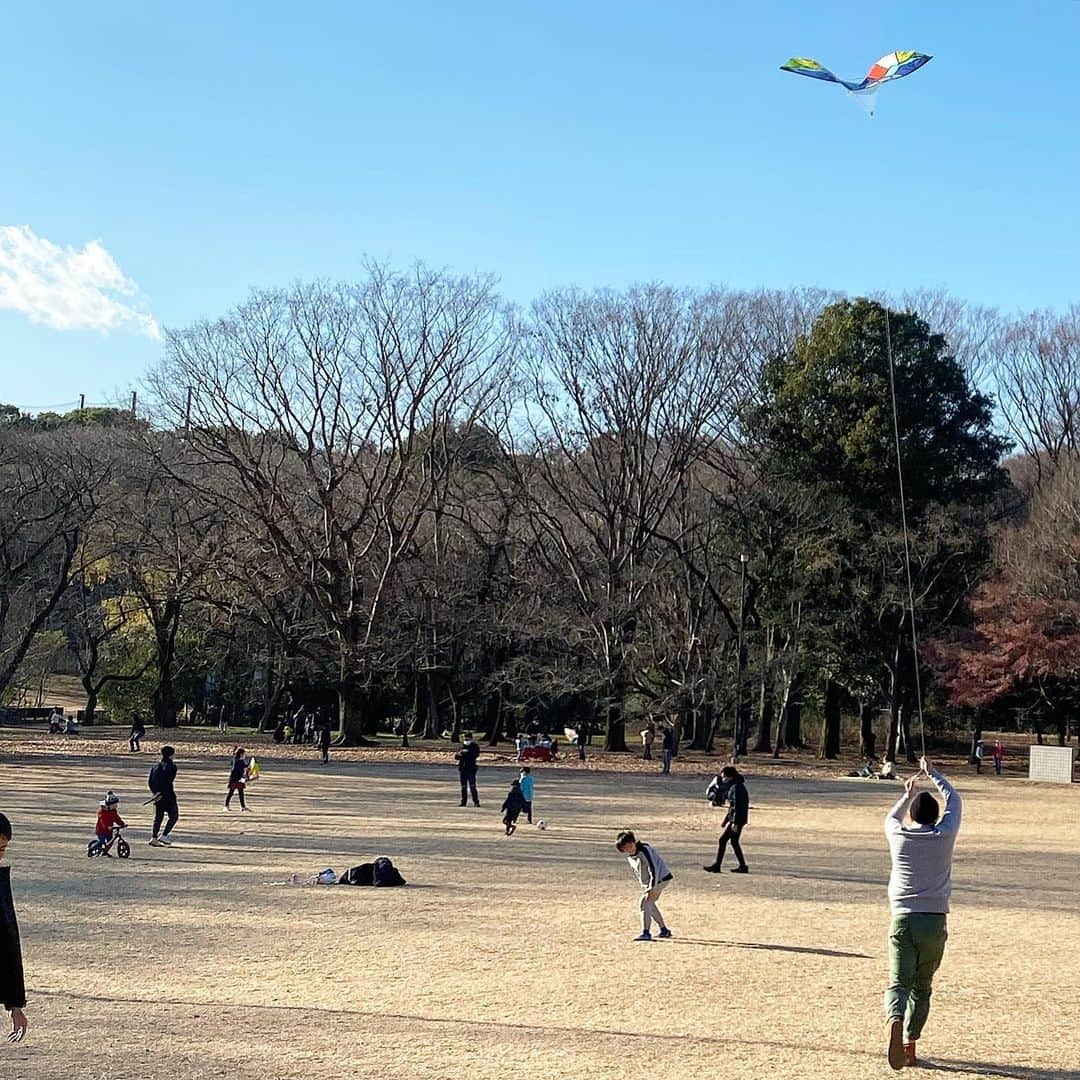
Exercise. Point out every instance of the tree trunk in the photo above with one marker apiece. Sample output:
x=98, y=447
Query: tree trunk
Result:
x=352, y=713
x=455, y=712
x=91, y=702
x=615, y=736
x=708, y=723
x=907, y=709
x=793, y=716
x=163, y=702
x=431, y=707
x=830, y=731
x=419, y=711
x=867, y=738
x=763, y=742
x=493, y=717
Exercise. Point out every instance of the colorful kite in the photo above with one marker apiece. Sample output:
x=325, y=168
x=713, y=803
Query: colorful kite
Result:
x=893, y=66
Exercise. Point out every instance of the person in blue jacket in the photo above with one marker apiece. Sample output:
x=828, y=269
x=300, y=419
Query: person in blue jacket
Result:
x=525, y=779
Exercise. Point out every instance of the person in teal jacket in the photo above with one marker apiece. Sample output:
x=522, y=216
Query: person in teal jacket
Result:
x=525, y=779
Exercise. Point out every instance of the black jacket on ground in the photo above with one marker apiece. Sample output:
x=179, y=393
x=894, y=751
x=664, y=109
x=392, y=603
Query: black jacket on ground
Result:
x=162, y=777
x=466, y=757
x=738, y=804
x=12, y=988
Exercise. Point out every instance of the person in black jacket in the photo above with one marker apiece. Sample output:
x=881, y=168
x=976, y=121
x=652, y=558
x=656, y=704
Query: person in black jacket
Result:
x=667, y=746
x=512, y=806
x=161, y=780
x=12, y=987
x=466, y=763
x=735, y=820
x=324, y=743
x=138, y=730
x=237, y=778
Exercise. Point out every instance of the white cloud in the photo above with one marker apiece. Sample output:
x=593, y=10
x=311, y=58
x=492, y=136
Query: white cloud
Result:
x=69, y=288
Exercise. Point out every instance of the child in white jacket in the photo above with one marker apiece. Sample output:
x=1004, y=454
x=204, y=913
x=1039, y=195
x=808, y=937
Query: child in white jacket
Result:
x=653, y=875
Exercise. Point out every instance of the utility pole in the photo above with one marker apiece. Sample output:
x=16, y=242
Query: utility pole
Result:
x=82, y=402
x=187, y=415
x=133, y=404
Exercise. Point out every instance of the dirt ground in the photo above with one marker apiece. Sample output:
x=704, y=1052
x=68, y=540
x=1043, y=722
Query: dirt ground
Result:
x=512, y=957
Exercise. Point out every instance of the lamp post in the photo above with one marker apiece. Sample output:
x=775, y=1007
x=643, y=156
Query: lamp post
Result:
x=740, y=706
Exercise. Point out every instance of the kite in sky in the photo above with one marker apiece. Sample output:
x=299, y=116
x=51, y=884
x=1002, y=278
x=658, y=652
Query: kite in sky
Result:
x=893, y=66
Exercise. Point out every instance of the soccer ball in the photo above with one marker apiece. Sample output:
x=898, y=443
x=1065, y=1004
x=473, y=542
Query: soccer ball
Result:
x=541, y=824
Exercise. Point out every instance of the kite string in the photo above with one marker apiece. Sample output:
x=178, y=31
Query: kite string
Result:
x=907, y=543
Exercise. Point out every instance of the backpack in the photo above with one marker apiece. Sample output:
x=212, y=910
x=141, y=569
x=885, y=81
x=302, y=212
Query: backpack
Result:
x=364, y=874
x=717, y=791
x=386, y=873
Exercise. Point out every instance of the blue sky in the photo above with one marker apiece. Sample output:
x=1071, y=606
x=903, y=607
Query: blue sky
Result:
x=209, y=147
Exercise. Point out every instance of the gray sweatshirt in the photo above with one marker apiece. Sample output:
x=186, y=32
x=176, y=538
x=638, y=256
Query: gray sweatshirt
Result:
x=921, y=878
x=649, y=866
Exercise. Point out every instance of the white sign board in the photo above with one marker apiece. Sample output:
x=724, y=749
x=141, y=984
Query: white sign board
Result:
x=1053, y=764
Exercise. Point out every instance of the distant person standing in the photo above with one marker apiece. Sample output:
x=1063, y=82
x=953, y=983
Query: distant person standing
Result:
x=978, y=756
x=161, y=783
x=466, y=761
x=648, y=736
x=12, y=987
x=999, y=756
x=56, y=721
x=738, y=814
x=138, y=731
x=919, y=889
x=667, y=747
x=582, y=736
x=324, y=743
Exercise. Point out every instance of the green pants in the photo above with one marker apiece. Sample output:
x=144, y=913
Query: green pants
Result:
x=916, y=945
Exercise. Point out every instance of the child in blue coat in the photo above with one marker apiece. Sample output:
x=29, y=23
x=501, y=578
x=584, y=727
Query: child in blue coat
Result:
x=525, y=779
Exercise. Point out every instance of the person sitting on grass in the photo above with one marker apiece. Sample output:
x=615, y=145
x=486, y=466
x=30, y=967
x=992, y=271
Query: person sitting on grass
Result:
x=12, y=986
x=512, y=806
x=919, y=889
x=108, y=821
x=653, y=876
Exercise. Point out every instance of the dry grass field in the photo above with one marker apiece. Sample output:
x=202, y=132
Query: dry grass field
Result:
x=512, y=957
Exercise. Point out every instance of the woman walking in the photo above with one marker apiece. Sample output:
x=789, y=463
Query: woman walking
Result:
x=237, y=778
x=738, y=803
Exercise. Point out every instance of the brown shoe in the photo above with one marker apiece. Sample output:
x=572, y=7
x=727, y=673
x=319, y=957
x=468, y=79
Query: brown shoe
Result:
x=910, y=1060
x=895, y=1029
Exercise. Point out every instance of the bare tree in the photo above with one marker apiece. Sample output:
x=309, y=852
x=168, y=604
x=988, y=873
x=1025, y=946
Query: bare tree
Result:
x=628, y=392
x=327, y=419
x=49, y=491
x=1038, y=382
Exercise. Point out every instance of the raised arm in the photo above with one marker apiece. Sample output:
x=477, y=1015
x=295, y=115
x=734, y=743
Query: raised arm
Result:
x=954, y=805
x=894, y=819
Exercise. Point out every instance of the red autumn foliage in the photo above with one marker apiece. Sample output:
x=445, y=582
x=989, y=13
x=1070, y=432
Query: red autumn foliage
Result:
x=1018, y=643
